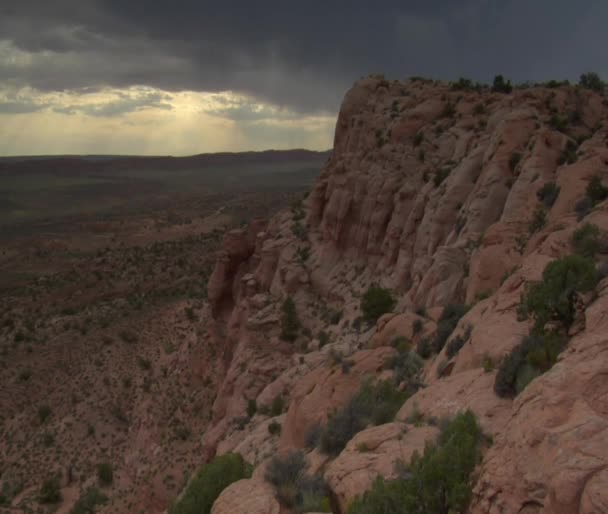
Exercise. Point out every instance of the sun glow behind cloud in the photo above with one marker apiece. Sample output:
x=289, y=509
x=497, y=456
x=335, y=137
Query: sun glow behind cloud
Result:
x=140, y=119
x=148, y=121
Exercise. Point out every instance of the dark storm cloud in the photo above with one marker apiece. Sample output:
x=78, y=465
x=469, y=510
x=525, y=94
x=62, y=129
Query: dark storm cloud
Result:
x=302, y=55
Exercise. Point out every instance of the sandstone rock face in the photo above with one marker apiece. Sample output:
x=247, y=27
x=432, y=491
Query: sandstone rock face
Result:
x=247, y=497
x=552, y=451
x=327, y=388
x=374, y=452
x=430, y=192
x=467, y=390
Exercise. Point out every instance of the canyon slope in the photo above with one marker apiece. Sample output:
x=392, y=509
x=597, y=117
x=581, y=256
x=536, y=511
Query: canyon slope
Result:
x=444, y=194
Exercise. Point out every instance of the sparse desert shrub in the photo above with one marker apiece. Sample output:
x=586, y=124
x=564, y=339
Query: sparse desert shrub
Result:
x=373, y=404
x=375, y=302
x=464, y=84
x=440, y=175
x=88, y=501
x=528, y=360
x=447, y=323
x=294, y=487
x=50, y=491
x=290, y=323
x=44, y=413
x=182, y=432
x=278, y=404
x=209, y=482
x=274, y=428
x=313, y=436
x=299, y=231
x=548, y=194
x=591, y=80
x=105, y=473
x=127, y=336
x=252, y=407
x=514, y=160
x=488, y=364
x=424, y=348
x=586, y=240
x=190, y=314
x=418, y=138
x=438, y=481
x=500, y=85
x=538, y=221
x=458, y=342
x=596, y=191
x=553, y=297
x=417, y=326
x=558, y=122
x=303, y=253
x=583, y=207
x=568, y=155
x=323, y=338
x=406, y=367
x=143, y=363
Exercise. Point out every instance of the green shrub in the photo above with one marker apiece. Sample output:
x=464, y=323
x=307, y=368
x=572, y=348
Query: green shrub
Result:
x=568, y=155
x=299, y=231
x=278, y=404
x=405, y=366
x=440, y=175
x=592, y=81
x=438, y=481
x=583, y=207
x=553, y=297
x=373, y=404
x=252, y=408
x=447, y=323
x=323, y=338
x=50, y=491
x=88, y=501
x=488, y=364
x=290, y=323
x=418, y=138
x=274, y=428
x=417, y=326
x=514, y=160
x=209, y=482
x=375, y=302
x=500, y=85
x=538, y=221
x=105, y=473
x=596, y=191
x=458, y=342
x=44, y=413
x=586, y=240
x=558, y=122
x=424, y=348
x=532, y=357
x=548, y=194
x=294, y=487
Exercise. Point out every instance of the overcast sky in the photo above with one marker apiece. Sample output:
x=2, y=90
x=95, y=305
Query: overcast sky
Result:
x=189, y=76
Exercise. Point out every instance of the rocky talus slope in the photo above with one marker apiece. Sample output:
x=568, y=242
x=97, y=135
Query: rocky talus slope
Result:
x=433, y=193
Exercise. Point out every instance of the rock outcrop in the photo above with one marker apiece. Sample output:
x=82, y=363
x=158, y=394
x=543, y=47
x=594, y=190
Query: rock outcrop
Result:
x=436, y=194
